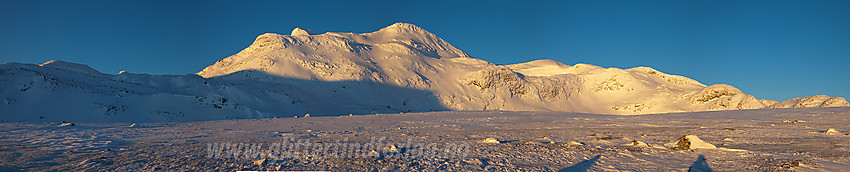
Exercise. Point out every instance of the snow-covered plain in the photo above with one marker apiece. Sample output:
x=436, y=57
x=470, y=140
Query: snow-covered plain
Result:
x=738, y=140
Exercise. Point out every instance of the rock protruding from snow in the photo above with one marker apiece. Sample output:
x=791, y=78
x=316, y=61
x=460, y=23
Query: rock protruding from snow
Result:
x=499, y=79
x=391, y=148
x=725, y=97
x=636, y=143
x=835, y=102
x=261, y=162
x=714, y=92
x=831, y=131
x=689, y=142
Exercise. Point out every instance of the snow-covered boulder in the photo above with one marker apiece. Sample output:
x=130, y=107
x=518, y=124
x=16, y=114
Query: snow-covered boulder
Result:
x=490, y=140
x=831, y=132
x=636, y=143
x=574, y=143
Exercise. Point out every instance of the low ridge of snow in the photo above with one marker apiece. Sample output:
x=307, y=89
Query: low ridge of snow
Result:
x=835, y=102
x=544, y=67
x=811, y=101
x=768, y=102
x=400, y=68
x=75, y=67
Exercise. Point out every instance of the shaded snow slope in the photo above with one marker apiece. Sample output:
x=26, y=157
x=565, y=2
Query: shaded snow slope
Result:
x=400, y=68
x=38, y=93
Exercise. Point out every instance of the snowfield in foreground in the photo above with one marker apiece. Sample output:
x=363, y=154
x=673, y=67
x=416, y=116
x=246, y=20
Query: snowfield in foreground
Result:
x=804, y=139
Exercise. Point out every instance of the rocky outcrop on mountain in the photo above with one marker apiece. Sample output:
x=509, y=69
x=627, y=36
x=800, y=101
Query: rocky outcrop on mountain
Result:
x=812, y=101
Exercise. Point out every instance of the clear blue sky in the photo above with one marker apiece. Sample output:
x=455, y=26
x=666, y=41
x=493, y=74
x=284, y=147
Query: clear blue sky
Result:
x=772, y=49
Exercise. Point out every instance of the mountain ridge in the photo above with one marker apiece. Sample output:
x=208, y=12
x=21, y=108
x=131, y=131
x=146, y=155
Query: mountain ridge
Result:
x=399, y=68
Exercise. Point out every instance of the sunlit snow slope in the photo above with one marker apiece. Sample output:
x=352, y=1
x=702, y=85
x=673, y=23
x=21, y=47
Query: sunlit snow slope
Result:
x=399, y=68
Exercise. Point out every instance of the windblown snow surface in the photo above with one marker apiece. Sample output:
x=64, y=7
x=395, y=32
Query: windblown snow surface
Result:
x=734, y=140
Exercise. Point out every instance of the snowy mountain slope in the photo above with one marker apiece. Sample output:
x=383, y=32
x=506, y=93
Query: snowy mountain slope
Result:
x=399, y=68
x=32, y=92
x=811, y=101
x=38, y=92
x=542, y=68
x=768, y=102
x=405, y=55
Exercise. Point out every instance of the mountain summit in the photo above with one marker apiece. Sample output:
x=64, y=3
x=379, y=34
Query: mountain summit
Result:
x=335, y=56
x=408, y=56
x=399, y=68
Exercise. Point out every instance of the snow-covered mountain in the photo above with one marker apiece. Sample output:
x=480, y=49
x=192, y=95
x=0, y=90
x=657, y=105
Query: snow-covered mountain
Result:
x=399, y=68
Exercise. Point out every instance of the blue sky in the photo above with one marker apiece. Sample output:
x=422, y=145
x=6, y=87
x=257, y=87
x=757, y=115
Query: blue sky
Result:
x=771, y=49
